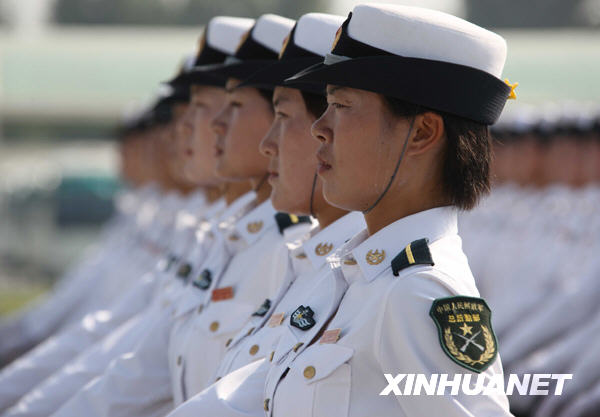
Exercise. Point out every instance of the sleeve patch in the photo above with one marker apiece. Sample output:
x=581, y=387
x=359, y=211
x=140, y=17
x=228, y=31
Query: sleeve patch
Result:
x=465, y=331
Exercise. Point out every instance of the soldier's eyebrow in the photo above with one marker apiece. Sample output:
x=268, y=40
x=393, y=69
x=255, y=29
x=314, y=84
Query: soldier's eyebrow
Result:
x=279, y=100
x=331, y=89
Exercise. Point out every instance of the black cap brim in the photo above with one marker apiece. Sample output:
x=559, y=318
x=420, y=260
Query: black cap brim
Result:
x=275, y=75
x=240, y=70
x=456, y=89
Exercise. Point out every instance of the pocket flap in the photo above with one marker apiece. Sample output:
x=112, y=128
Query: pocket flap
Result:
x=321, y=360
x=225, y=317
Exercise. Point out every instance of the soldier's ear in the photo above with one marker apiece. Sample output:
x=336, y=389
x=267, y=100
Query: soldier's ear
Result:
x=427, y=133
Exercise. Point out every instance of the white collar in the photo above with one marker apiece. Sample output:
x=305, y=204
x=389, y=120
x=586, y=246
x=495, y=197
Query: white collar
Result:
x=374, y=254
x=254, y=224
x=325, y=242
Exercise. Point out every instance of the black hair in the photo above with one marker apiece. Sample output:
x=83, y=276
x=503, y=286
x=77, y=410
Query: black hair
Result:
x=467, y=158
x=316, y=104
x=267, y=95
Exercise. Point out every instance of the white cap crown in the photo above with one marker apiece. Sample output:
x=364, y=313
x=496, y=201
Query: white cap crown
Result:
x=315, y=32
x=223, y=33
x=415, y=32
x=270, y=31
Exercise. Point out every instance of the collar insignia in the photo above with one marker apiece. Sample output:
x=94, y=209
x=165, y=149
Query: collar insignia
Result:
x=254, y=227
x=465, y=331
x=323, y=249
x=302, y=318
x=375, y=258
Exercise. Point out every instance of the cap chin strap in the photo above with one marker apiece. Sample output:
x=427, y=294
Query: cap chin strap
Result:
x=312, y=195
x=410, y=128
x=261, y=182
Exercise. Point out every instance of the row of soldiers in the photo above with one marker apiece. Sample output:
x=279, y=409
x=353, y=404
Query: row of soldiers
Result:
x=207, y=296
x=545, y=145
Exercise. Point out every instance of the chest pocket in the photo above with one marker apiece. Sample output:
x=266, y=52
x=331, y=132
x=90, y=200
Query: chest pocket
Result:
x=318, y=383
x=224, y=317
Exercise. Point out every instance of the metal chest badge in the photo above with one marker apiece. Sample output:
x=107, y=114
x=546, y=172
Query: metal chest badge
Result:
x=204, y=280
x=263, y=309
x=465, y=331
x=302, y=318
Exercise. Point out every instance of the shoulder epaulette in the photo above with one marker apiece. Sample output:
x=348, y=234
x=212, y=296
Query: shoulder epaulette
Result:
x=285, y=220
x=416, y=253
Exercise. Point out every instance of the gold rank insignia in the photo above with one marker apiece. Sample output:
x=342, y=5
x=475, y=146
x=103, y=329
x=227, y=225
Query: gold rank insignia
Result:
x=465, y=331
x=323, y=249
x=254, y=227
x=375, y=257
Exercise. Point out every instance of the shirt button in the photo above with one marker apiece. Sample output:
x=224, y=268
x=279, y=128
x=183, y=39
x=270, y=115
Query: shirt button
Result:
x=200, y=308
x=253, y=350
x=179, y=360
x=266, y=405
x=309, y=372
x=214, y=326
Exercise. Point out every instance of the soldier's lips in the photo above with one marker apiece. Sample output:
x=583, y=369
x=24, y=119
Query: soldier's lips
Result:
x=323, y=166
x=273, y=175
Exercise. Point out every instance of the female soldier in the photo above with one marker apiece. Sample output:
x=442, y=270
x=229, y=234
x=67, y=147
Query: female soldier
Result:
x=296, y=188
x=404, y=140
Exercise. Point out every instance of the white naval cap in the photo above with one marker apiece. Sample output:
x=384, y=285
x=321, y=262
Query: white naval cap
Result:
x=416, y=32
x=218, y=42
x=258, y=47
x=422, y=56
x=315, y=32
x=308, y=42
x=270, y=30
x=224, y=33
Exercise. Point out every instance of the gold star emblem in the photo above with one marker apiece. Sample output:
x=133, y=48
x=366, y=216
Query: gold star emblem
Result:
x=466, y=329
x=511, y=95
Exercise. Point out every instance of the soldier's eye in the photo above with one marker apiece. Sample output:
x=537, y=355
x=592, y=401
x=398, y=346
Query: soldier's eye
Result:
x=337, y=105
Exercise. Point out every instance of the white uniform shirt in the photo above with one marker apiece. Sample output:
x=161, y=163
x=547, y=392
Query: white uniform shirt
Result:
x=385, y=327
x=54, y=391
x=240, y=386
x=254, y=274
x=259, y=336
x=123, y=387
x=25, y=373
